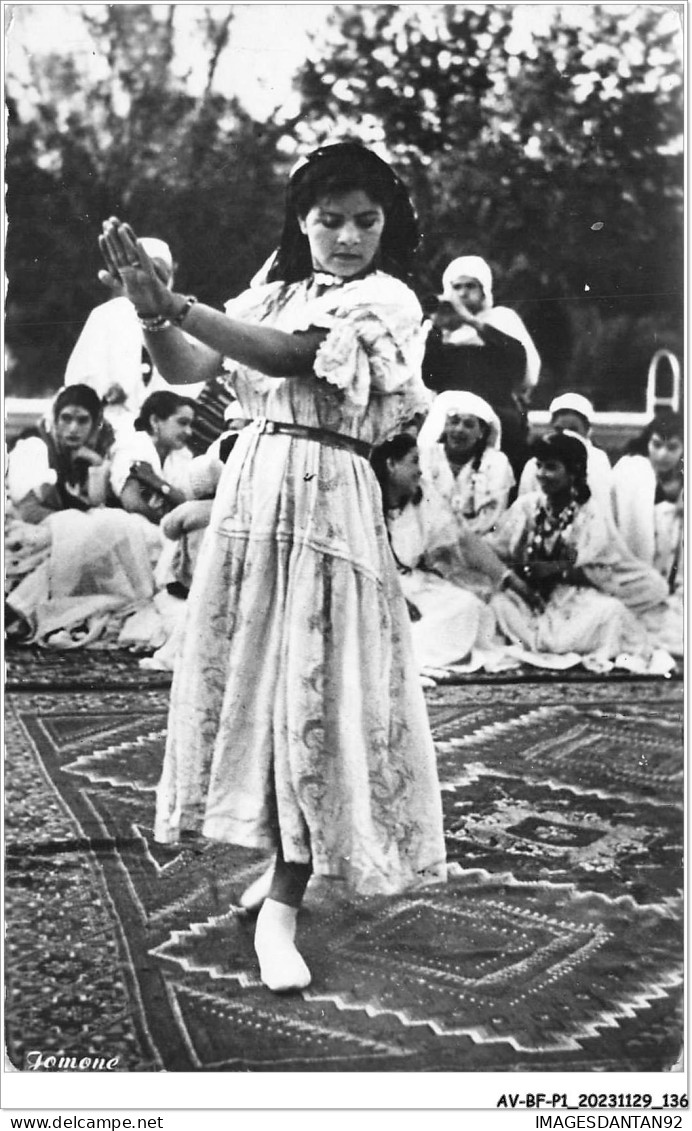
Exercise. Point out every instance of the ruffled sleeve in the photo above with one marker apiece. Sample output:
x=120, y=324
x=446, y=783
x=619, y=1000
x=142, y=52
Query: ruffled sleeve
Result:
x=375, y=338
x=374, y=341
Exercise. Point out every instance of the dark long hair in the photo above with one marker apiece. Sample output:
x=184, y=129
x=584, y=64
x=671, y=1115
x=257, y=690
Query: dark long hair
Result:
x=666, y=424
x=396, y=448
x=163, y=404
x=100, y=438
x=71, y=471
x=337, y=168
x=82, y=396
x=570, y=451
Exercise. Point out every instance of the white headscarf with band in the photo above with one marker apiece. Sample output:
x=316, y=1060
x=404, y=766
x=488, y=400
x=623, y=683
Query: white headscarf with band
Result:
x=463, y=404
x=501, y=317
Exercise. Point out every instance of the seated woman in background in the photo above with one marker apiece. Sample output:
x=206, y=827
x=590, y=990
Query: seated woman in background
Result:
x=566, y=548
x=184, y=524
x=448, y=622
x=64, y=465
x=150, y=468
x=461, y=459
x=571, y=412
x=647, y=495
x=183, y=529
x=75, y=570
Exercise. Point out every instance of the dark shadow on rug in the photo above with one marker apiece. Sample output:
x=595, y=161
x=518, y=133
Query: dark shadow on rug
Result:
x=556, y=945
x=43, y=669
x=91, y=669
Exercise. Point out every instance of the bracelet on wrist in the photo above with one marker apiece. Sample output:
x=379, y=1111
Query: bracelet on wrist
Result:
x=154, y=323
x=185, y=309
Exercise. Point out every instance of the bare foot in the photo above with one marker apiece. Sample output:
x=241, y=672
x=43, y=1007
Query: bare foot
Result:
x=254, y=896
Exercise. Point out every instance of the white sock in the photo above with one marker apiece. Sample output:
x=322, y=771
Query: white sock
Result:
x=281, y=966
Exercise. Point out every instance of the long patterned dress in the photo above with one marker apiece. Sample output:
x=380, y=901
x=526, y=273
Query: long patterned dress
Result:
x=296, y=712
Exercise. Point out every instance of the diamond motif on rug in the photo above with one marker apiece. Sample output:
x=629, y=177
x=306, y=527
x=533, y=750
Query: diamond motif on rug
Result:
x=556, y=945
x=534, y=966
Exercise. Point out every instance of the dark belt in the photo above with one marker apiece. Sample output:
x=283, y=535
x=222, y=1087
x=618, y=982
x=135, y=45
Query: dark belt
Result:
x=319, y=435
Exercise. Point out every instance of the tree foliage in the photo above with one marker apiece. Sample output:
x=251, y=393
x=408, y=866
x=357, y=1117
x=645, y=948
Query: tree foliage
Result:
x=193, y=168
x=554, y=151
x=545, y=138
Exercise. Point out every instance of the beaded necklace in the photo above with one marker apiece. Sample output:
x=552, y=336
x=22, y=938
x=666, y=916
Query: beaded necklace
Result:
x=545, y=543
x=467, y=505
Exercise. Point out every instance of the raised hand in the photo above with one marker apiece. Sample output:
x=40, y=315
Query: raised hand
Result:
x=463, y=314
x=128, y=265
x=446, y=317
x=115, y=394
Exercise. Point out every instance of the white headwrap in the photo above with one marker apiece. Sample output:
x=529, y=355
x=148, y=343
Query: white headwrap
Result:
x=465, y=404
x=468, y=267
x=572, y=402
x=157, y=249
x=501, y=317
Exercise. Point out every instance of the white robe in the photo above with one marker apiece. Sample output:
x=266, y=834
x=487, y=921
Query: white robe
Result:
x=618, y=617
x=652, y=531
x=109, y=351
x=478, y=497
x=453, y=621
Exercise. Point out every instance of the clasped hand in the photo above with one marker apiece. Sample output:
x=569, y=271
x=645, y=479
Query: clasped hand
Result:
x=129, y=266
x=545, y=571
x=529, y=596
x=144, y=473
x=88, y=455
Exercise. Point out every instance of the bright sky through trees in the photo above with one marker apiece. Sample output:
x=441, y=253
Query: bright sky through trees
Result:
x=268, y=44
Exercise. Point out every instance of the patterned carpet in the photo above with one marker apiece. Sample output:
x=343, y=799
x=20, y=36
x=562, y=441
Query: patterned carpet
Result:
x=555, y=946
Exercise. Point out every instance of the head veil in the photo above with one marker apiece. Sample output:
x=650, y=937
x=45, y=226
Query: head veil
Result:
x=465, y=404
